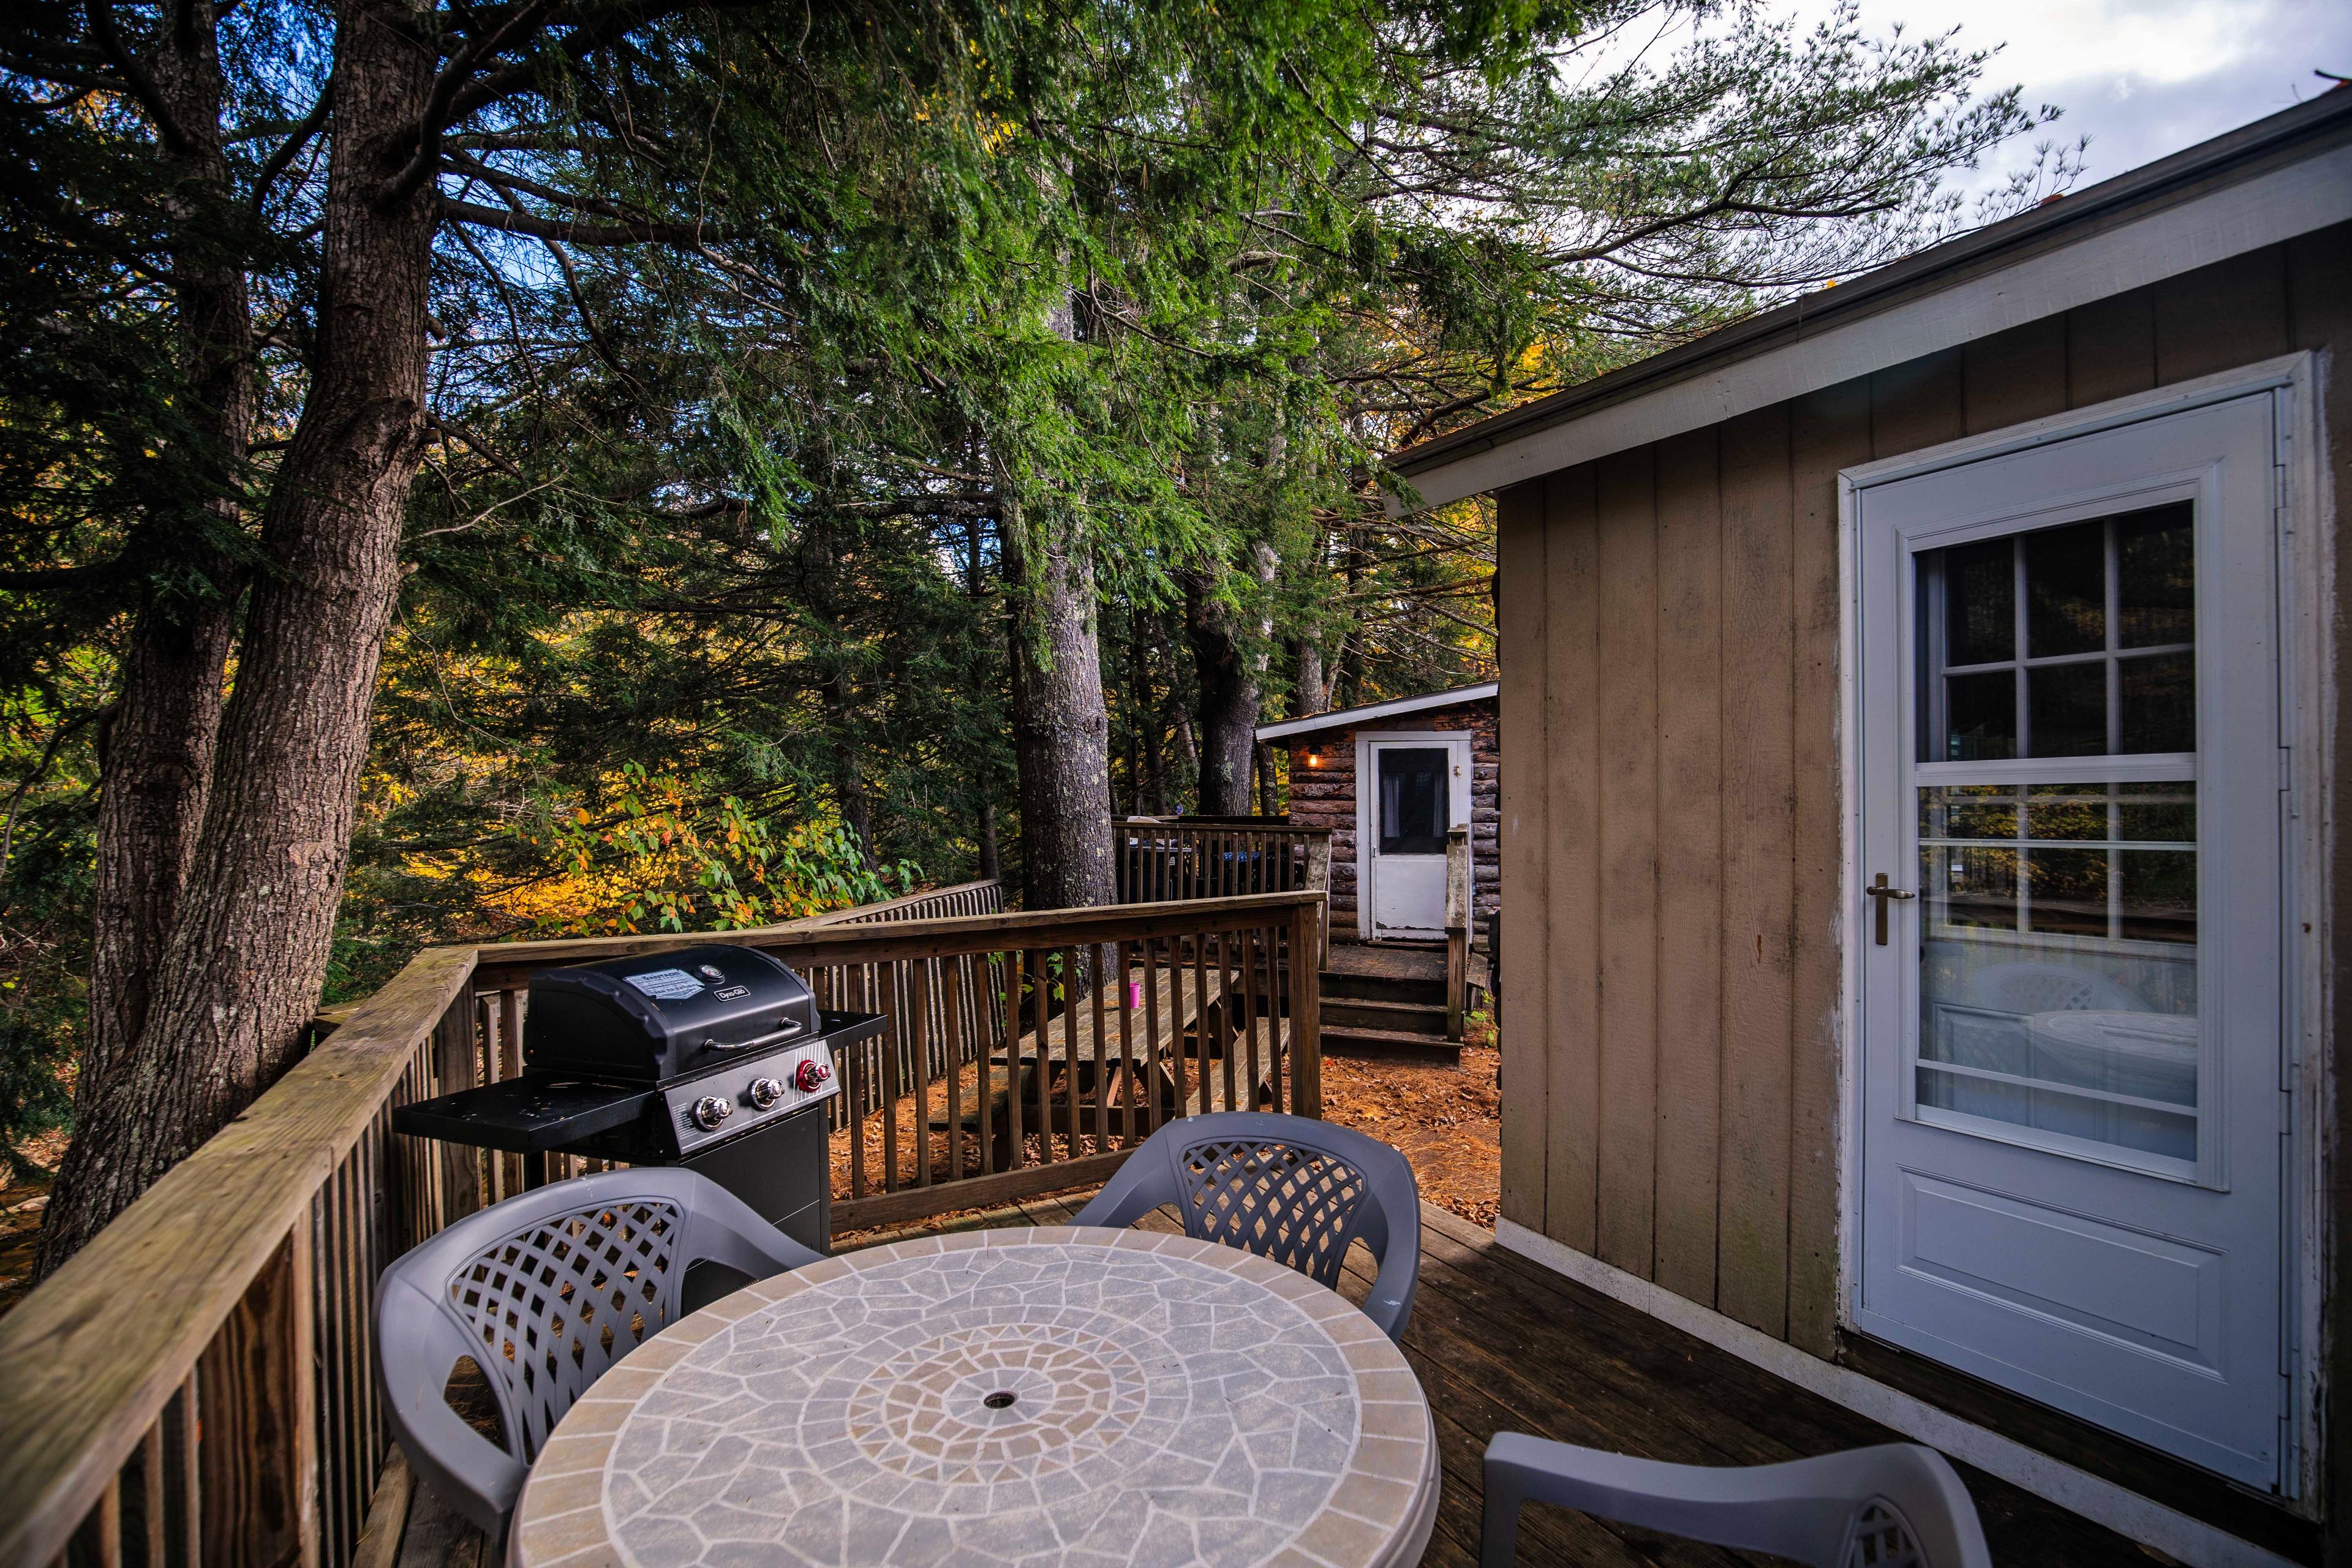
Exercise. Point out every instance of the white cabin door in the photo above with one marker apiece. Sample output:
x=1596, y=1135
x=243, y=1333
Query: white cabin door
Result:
x=2071, y=1041
x=1410, y=789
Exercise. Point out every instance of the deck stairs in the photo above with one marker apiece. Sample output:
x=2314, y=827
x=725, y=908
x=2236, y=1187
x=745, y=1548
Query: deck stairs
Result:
x=1387, y=1000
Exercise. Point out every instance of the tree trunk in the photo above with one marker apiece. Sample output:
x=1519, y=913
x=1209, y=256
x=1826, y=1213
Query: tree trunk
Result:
x=991, y=865
x=1228, y=701
x=1061, y=729
x=240, y=977
x=1188, y=755
x=1268, y=794
x=1308, y=695
x=158, y=743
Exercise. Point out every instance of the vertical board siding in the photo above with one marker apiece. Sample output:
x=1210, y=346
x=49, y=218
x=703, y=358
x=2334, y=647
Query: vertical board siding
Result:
x=1673, y=820
x=1759, y=819
x=2110, y=349
x=2011, y=377
x=1828, y=431
x=1571, y=884
x=1690, y=846
x=1627, y=619
x=1520, y=616
x=2227, y=314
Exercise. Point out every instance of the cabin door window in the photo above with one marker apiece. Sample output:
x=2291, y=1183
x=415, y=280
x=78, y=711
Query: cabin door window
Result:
x=2071, y=928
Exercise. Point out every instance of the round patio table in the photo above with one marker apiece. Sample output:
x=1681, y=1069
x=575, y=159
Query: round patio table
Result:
x=1032, y=1397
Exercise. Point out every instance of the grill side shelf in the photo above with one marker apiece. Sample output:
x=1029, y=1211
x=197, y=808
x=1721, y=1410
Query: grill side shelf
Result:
x=528, y=1115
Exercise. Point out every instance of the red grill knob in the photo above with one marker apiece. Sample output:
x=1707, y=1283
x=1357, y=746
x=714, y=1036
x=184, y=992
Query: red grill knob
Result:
x=811, y=1076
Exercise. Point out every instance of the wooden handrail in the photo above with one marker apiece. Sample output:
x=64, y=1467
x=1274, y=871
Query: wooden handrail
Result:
x=1459, y=872
x=222, y=1318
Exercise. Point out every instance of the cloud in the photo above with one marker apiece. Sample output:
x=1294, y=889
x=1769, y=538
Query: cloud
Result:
x=2141, y=78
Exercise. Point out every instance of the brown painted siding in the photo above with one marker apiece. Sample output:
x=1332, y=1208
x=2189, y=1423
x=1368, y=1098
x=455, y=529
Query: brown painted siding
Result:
x=1325, y=796
x=1670, y=811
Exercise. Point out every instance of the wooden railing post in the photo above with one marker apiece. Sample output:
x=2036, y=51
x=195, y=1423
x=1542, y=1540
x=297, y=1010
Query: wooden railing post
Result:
x=259, y=1400
x=458, y=1059
x=1305, y=985
x=1318, y=880
x=1457, y=927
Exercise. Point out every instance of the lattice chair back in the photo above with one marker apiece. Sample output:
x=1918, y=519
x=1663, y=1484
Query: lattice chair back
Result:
x=1297, y=1190
x=545, y=1292
x=1897, y=1506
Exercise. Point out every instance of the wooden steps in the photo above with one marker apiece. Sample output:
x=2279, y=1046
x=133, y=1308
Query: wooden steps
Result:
x=1387, y=1002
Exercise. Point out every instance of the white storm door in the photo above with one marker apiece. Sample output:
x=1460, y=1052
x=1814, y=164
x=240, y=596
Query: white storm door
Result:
x=2072, y=1043
x=1410, y=789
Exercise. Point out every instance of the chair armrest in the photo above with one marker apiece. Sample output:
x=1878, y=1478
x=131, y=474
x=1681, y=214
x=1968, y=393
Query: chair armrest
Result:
x=1134, y=1190
x=416, y=1348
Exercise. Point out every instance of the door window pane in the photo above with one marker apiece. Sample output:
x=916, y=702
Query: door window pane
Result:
x=1412, y=799
x=2091, y=625
x=1982, y=607
x=2155, y=573
x=2159, y=703
x=2066, y=590
x=2066, y=709
x=2058, y=960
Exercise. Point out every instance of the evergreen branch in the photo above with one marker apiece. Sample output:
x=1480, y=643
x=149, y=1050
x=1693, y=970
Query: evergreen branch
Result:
x=568, y=231
x=134, y=75
x=300, y=138
x=442, y=95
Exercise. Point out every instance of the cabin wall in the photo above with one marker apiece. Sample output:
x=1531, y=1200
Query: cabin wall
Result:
x=1670, y=852
x=1324, y=796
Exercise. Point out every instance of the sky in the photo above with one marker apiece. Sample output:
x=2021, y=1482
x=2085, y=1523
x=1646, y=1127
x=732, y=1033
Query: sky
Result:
x=2140, y=78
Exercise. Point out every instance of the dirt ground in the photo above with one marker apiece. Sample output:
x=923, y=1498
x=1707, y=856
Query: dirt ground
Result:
x=1446, y=1119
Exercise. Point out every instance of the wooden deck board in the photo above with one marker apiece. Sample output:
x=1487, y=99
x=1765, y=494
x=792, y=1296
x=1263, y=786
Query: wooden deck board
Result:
x=1502, y=1345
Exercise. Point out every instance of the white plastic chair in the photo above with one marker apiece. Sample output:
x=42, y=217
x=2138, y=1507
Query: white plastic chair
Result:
x=544, y=1292
x=1897, y=1506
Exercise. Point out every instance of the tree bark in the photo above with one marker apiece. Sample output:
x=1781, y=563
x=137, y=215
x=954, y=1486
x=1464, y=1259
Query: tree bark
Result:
x=157, y=745
x=1061, y=728
x=241, y=974
x=991, y=865
x=1227, y=703
x=1228, y=675
x=1309, y=695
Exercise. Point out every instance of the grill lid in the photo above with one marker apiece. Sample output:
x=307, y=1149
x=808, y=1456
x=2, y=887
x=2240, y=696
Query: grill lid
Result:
x=663, y=1016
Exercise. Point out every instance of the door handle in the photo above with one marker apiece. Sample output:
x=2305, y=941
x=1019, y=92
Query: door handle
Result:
x=1879, y=893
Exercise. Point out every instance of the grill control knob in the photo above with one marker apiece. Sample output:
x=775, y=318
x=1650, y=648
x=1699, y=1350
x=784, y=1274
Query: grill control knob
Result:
x=711, y=1110
x=765, y=1092
x=811, y=1076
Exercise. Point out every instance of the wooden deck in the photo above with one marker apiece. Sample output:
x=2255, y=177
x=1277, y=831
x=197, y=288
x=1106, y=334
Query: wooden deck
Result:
x=1501, y=1344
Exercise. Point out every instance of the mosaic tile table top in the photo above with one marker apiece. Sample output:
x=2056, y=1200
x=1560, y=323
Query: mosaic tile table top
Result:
x=1049, y=1398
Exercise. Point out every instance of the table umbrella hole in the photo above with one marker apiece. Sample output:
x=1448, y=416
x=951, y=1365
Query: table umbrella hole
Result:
x=1000, y=1400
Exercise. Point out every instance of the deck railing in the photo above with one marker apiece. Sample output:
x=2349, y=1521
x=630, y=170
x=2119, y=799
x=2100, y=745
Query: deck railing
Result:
x=197, y=1384
x=1216, y=858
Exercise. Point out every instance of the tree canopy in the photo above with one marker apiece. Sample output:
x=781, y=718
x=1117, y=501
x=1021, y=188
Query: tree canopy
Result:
x=805, y=386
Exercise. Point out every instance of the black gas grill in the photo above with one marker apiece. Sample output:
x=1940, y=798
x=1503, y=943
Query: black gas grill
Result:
x=715, y=1058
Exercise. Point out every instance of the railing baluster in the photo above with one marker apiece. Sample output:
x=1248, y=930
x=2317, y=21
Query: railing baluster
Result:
x=952, y=978
x=1102, y=1045
x=1252, y=1011
x=892, y=1077
x=919, y=973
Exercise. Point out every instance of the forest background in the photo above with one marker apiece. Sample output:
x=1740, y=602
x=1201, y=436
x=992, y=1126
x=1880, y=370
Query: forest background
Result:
x=858, y=448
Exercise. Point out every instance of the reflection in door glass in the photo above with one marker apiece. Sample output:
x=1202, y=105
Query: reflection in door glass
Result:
x=2069, y=642
x=1412, y=798
x=2058, y=938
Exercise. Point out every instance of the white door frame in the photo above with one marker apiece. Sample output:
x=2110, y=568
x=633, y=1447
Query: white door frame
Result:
x=1458, y=802
x=2304, y=510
